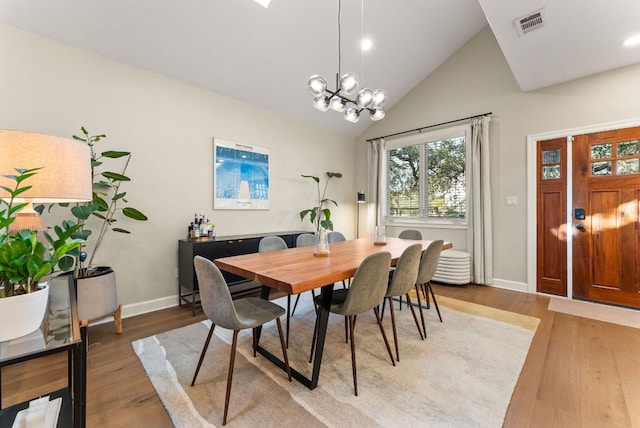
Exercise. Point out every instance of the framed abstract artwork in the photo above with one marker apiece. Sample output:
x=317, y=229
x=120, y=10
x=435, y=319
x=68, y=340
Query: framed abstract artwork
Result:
x=241, y=176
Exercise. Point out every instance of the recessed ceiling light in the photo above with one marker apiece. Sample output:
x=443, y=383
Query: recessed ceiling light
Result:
x=632, y=41
x=263, y=3
x=366, y=44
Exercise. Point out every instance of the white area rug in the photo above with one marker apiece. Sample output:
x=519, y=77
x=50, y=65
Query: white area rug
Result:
x=462, y=375
x=596, y=311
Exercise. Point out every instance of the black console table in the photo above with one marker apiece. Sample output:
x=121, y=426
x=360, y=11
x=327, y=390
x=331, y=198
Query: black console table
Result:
x=61, y=331
x=221, y=246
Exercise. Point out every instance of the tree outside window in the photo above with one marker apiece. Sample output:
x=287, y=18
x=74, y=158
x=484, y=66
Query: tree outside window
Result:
x=428, y=180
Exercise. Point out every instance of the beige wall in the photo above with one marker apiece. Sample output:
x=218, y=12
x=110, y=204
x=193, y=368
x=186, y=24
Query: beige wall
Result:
x=477, y=79
x=53, y=88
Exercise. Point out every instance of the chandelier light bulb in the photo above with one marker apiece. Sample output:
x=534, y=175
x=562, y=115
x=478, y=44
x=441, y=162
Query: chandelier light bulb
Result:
x=379, y=97
x=338, y=104
x=321, y=102
x=352, y=115
x=317, y=84
x=349, y=83
x=377, y=113
x=365, y=97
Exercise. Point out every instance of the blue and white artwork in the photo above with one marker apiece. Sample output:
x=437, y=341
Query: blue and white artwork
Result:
x=241, y=177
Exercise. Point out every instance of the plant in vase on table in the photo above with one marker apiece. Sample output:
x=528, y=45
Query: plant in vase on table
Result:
x=320, y=215
x=97, y=294
x=25, y=261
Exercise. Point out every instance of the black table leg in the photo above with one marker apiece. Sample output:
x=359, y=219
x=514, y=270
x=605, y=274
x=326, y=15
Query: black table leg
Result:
x=323, y=314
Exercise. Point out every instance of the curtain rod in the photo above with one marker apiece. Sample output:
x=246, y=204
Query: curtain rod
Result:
x=430, y=126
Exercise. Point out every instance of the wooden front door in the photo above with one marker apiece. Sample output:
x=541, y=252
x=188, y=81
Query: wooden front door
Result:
x=551, y=180
x=606, y=236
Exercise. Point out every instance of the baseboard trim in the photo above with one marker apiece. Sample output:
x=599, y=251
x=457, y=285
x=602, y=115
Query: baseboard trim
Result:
x=141, y=308
x=510, y=285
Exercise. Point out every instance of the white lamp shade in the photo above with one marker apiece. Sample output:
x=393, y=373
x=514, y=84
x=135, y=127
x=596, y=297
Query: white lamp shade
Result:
x=338, y=104
x=352, y=115
x=321, y=102
x=377, y=113
x=365, y=97
x=349, y=83
x=317, y=84
x=379, y=97
x=66, y=166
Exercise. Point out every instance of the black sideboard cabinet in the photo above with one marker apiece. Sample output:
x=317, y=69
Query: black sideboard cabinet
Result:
x=221, y=246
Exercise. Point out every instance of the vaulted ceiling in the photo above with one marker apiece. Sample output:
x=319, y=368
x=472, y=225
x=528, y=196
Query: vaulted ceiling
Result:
x=264, y=56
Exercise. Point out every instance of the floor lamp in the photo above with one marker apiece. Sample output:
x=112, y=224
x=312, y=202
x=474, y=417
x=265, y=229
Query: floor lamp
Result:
x=360, y=200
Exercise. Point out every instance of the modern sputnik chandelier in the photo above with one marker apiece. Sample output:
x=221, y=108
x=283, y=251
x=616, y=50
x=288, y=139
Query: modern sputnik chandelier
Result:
x=347, y=86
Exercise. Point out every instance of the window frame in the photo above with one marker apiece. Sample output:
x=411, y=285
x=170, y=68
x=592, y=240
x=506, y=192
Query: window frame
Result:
x=421, y=138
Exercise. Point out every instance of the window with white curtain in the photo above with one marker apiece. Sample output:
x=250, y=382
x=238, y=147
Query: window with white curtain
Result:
x=427, y=177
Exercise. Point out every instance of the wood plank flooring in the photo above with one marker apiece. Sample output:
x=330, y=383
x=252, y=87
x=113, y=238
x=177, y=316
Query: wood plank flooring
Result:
x=578, y=373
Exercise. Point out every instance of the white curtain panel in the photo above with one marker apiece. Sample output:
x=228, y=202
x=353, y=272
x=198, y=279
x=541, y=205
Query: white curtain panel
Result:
x=377, y=191
x=479, y=241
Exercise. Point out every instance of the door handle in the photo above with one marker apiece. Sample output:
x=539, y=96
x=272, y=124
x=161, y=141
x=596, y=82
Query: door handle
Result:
x=580, y=227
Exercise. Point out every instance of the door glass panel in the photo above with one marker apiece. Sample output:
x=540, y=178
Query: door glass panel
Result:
x=551, y=156
x=628, y=166
x=550, y=172
x=627, y=148
x=599, y=151
x=601, y=168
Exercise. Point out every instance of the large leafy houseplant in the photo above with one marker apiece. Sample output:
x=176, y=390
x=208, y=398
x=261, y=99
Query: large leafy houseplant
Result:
x=107, y=201
x=24, y=259
x=320, y=215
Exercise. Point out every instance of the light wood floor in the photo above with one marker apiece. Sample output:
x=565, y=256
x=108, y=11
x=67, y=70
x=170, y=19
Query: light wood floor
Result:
x=578, y=373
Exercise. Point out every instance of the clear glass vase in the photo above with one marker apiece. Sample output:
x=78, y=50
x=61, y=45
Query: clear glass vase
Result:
x=321, y=247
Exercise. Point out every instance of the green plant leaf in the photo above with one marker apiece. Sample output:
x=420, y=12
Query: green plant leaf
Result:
x=316, y=179
x=83, y=212
x=117, y=229
x=134, y=214
x=115, y=176
x=115, y=154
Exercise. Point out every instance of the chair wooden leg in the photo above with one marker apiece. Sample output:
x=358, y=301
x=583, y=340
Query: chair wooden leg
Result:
x=384, y=335
x=415, y=318
x=384, y=304
x=117, y=319
x=434, y=300
x=232, y=360
x=351, y=321
x=284, y=348
x=393, y=326
x=424, y=328
x=254, y=334
x=204, y=351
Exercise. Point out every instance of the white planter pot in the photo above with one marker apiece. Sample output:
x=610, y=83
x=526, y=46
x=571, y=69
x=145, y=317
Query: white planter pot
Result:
x=97, y=295
x=23, y=314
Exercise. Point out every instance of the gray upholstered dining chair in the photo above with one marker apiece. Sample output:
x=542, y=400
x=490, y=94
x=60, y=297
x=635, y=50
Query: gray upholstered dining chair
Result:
x=251, y=312
x=367, y=291
x=305, y=240
x=410, y=234
x=428, y=266
x=274, y=243
x=302, y=240
x=335, y=236
x=401, y=280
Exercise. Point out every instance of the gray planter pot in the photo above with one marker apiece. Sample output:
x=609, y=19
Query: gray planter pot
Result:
x=98, y=296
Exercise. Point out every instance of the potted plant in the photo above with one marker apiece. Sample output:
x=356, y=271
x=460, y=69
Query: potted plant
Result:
x=97, y=293
x=320, y=215
x=25, y=261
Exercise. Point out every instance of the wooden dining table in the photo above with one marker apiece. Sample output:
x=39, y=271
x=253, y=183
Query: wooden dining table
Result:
x=296, y=270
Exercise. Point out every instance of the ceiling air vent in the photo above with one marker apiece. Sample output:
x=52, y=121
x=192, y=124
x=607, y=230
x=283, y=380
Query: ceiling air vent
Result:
x=531, y=22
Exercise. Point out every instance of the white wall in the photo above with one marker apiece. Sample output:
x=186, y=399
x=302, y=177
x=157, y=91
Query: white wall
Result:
x=477, y=79
x=55, y=89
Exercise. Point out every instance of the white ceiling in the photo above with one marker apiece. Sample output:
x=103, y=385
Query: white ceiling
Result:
x=265, y=56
